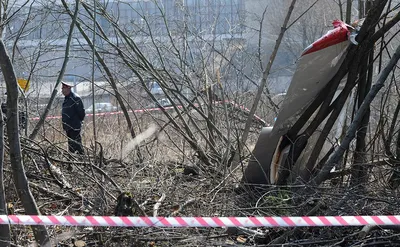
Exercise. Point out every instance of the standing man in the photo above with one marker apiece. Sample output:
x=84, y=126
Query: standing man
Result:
x=73, y=114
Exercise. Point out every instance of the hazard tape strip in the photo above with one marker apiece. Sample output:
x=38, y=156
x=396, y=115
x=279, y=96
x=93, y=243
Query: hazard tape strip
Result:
x=157, y=109
x=200, y=221
x=111, y=113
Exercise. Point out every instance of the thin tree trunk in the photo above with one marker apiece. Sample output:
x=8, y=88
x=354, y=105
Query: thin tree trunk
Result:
x=37, y=127
x=359, y=170
x=348, y=11
x=263, y=84
x=361, y=9
x=4, y=229
x=340, y=4
x=210, y=115
x=108, y=72
x=18, y=170
x=356, y=53
x=350, y=134
x=350, y=64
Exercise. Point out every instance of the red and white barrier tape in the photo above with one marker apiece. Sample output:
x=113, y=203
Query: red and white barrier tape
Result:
x=156, y=109
x=200, y=221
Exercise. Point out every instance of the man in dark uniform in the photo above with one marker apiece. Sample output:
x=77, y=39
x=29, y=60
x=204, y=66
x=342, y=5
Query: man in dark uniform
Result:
x=73, y=114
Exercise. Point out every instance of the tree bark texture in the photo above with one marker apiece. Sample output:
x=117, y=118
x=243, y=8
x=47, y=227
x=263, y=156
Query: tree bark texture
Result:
x=4, y=229
x=359, y=169
x=18, y=170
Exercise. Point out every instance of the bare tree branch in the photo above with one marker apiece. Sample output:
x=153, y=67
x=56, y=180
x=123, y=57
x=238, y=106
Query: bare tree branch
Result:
x=350, y=134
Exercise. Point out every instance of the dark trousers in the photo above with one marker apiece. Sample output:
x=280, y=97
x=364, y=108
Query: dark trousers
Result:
x=75, y=141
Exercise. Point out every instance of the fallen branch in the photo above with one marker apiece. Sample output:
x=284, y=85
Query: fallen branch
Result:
x=244, y=231
x=41, y=189
x=158, y=204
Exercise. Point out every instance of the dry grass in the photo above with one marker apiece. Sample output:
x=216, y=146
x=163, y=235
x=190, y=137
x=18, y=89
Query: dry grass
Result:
x=89, y=191
x=95, y=181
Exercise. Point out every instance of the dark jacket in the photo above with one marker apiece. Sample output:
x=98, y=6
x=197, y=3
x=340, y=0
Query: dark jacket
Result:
x=73, y=112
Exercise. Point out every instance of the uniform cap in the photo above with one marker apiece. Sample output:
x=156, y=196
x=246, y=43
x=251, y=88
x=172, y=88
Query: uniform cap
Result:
x=68, y=84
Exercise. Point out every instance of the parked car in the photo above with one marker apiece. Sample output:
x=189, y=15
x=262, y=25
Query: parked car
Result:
x=101, y=107
x=162, y=102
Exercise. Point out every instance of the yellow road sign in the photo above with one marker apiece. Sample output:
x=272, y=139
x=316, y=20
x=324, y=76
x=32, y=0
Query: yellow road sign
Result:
x=24, y=84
